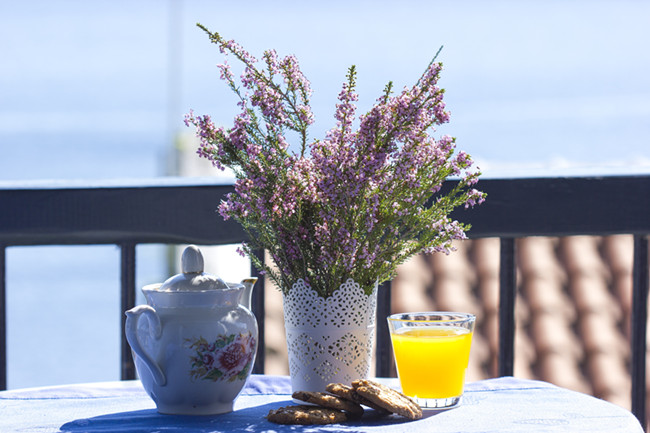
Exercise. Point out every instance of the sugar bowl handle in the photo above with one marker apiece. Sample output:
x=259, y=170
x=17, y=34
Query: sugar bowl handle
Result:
x=132, y=318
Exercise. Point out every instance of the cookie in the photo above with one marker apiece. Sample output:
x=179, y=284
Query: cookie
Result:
x=330, y=401
x=306, y=415
x=388, y=398
x=348, y=393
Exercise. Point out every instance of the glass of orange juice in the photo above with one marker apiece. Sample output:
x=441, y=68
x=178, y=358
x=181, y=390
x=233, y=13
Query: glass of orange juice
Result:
x=431, y=354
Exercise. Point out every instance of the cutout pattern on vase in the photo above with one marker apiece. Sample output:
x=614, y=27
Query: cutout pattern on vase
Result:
x=329, y=339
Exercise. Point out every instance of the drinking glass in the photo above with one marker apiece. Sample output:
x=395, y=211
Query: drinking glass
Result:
x=431, y=354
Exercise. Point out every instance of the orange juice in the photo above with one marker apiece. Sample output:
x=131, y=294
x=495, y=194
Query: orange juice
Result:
x=431, y=362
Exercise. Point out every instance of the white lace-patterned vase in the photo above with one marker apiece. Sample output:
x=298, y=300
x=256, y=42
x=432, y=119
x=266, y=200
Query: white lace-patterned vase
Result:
x=329, y=339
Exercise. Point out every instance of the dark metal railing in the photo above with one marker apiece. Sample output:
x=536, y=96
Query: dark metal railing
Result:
x=179, y=211
x=507, y=296
x=639, y=327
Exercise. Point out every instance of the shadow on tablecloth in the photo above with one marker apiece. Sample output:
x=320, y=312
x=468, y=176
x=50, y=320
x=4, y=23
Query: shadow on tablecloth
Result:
x=251, y=419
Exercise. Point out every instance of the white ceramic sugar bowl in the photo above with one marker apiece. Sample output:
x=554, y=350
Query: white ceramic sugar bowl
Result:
x=195, y=341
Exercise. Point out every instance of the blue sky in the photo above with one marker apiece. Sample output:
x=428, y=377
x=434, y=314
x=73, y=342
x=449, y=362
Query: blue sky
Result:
x=542, y=85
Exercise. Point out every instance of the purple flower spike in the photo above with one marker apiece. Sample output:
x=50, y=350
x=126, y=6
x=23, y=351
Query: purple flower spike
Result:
x=355, y=204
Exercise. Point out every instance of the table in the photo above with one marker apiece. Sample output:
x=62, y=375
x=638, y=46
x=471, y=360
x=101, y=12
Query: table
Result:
x=500, y=405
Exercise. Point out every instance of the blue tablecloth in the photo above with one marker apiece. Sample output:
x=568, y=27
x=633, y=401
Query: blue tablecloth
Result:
x=496, y=405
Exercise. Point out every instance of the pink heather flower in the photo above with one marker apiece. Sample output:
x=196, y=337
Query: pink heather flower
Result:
x=271, y=58
x=475, y=197
x=236, y=49
x=225, y=72
x=294, y=77
x=240, y=250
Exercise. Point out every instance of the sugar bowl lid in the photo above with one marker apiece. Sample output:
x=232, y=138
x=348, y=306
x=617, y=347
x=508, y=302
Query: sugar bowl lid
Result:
x=192, y=277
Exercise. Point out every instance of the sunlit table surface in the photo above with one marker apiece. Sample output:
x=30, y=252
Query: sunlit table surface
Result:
x=496, y=405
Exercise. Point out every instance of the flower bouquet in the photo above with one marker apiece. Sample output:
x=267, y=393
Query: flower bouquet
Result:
x=342, y=212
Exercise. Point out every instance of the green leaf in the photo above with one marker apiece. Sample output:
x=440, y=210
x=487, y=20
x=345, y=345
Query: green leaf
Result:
x=214, y=375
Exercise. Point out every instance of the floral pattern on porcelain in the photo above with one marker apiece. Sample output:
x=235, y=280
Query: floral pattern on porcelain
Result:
x=228, y=357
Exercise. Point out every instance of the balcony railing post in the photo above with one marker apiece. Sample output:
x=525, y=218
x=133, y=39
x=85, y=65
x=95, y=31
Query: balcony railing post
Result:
x=3, y=319
x=507, y=295
x=384, y=352
x=639, y=323
x=127, y=301
x=259, y=309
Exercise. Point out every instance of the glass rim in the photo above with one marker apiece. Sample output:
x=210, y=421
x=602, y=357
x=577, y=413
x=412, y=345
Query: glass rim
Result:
x=442, y=317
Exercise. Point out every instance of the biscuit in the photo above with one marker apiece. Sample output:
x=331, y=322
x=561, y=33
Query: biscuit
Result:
x=388, y=398
x=306, y=415
x=330, y=401
x=348, y=393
